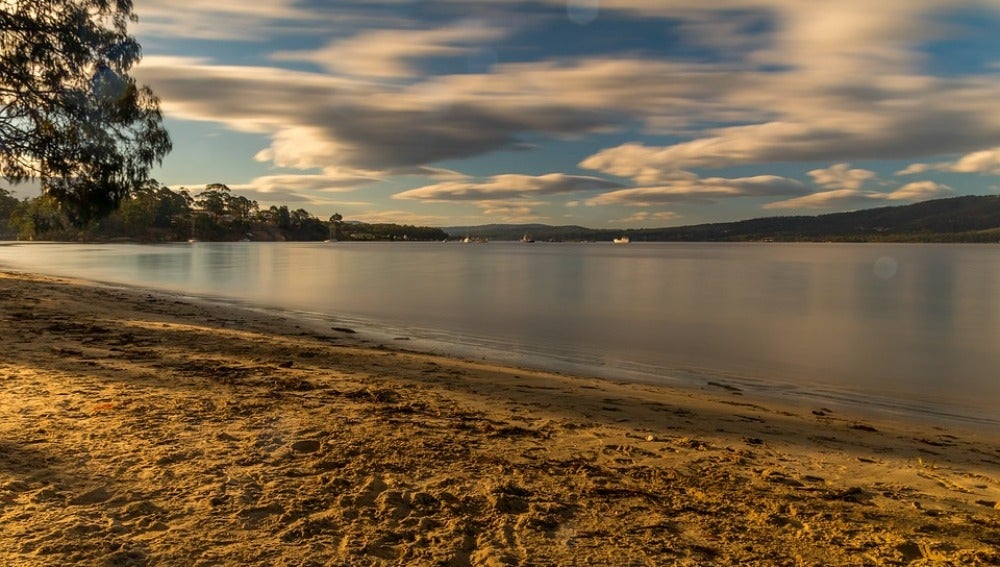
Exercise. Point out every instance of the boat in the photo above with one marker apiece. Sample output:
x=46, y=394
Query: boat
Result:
x=527, y=238
x=621, y=240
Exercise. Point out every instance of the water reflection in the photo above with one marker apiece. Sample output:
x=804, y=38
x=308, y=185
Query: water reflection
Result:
x=915, y=324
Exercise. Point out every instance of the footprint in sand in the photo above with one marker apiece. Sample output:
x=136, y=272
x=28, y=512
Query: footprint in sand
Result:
x=95, y=496
x=306, y=446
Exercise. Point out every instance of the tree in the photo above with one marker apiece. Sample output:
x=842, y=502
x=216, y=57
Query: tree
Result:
x=39, y=219
x=8, y=202
x=241, y=208
x=284, y=217
x=336, y=226
x=155, y=213
x=304, y=226
x=70, y=113
x=213, y=200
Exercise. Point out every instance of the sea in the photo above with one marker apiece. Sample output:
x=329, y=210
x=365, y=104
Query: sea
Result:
x=908, y=329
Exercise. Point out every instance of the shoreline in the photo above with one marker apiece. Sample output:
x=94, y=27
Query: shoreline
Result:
x=907, y=388
x=959, y=394
x=787, y=395
x=139, y=428
x=754, y=384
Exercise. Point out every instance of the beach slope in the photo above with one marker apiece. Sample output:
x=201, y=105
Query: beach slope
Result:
x=140, y=429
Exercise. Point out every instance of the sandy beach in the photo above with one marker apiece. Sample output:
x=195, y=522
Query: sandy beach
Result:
x=140, y=429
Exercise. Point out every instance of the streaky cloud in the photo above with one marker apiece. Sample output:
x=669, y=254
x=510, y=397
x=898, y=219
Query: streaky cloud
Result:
x=507, y=186
x=393, y=53
x=983, y=161
x=916, y=191
x=702, y=190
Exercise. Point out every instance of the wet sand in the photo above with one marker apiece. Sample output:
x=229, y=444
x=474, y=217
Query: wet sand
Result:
x=140, y=429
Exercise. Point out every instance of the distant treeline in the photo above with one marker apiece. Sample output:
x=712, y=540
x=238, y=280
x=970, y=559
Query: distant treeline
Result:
x=158, y=214
x=958, y=219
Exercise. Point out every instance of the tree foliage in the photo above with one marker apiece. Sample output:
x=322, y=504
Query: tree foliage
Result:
x=70, y=113
x=336, y=226
x=221, y=215
x=8, y=203
x=40, y=219
x=154, y=213
x=392, y=231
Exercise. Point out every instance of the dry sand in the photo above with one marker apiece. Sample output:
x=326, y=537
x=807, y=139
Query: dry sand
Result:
x=138, y=429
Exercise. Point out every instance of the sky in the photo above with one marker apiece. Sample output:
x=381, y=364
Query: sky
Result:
x=602, y=113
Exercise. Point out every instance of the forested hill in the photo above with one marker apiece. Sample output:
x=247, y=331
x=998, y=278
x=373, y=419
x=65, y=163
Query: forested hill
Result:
x=958, y=219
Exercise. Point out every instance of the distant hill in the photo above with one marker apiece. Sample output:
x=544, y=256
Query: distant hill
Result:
x=517, y=231
x=958, y=219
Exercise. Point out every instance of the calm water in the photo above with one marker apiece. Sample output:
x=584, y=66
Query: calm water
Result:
x=901, y=327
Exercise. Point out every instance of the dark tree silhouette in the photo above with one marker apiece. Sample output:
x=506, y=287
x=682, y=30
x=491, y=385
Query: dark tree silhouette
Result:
x=336, y=226
x=71, y=116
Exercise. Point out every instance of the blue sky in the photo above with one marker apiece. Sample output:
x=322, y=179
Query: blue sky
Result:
x=604, y=113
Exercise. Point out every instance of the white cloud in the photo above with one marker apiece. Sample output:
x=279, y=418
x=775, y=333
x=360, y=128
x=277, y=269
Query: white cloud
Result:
x=648, y=217
x=502, y=187
x=919, y=191
x=838, y=198
x=268, y=198
x=731, y=32
x=642, y=164
x=849, y=87
x=398, y=217
x=701, y=190
x=841, y=176
x=219, y=19
x=306, y=188
x=796, y=81
x=433, y=173
x=264, y=197
x=391, y=53
x=319, y=120
x=828, y=40
x=823, y=200
x=914, y=168
x=309, y=183
x=983, y=161
x=849, y=128
x=510, y=212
